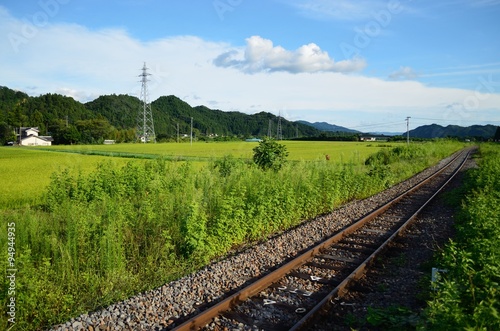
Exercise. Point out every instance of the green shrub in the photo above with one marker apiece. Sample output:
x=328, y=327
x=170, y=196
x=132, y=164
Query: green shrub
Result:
x=270, y=155
x=225, y=165
x=119, y=230
x=396, y=154
x=392, y=318
x=468, y=294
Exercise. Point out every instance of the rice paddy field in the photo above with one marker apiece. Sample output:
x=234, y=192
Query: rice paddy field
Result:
x=299, y=150
x=97, y=224
x=26, y=172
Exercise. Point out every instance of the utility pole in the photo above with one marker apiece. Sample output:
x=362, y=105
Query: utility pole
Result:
x=269, y=134
x=191, y=131
x=408, y=130
x=177, y=132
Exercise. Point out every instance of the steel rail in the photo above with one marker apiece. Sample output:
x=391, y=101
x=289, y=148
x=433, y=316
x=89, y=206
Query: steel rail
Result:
x=205, y=317
x=340, y=290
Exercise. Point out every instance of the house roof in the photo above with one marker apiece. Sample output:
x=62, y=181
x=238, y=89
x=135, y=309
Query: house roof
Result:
x=44, y=138
x=34, y=128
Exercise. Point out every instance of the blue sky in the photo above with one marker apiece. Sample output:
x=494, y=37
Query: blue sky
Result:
x=362, y=64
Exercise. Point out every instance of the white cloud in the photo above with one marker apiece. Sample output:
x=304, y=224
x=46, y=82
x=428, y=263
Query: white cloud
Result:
x=339, y=9
x=473, y=69
x=81, y=96
x=403, y=73
x=260, y=55
x=82, y=63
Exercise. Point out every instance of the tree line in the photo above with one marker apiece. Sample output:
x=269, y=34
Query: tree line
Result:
x=115, y=117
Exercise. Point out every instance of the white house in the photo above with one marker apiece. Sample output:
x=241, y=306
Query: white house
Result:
x=374, y=137
x=30, y=137
x=29, y=131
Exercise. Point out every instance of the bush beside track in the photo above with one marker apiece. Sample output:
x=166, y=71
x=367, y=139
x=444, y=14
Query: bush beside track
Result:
x=103, y=236
x=467, y=295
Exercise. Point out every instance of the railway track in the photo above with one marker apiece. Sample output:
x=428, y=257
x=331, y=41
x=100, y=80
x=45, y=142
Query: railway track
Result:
x=288, y=297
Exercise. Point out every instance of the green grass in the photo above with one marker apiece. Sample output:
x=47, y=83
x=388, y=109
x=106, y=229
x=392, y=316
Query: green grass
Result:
x=25, y=172
x=102, y=234
x=467, y=295
x=298, y=150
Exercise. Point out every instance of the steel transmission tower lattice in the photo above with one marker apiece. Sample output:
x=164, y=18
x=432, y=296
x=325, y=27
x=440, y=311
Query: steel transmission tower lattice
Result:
x=279, y=132
x=145, y=125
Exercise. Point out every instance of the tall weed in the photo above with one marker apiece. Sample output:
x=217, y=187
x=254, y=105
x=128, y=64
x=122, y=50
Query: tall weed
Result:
x=103, y=236
x=468, y=295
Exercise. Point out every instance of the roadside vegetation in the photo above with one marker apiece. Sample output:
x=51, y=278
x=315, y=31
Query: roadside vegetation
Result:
x=467, y=294
x=25, y=172
x=101, y=236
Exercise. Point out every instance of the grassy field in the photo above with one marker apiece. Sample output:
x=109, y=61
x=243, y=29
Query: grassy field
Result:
x=104, y=232
x=299, y=150
x=25, y=172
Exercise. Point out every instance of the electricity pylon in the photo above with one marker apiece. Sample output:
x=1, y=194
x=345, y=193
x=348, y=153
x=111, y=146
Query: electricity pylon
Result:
x=279, y=132
x=145, y=126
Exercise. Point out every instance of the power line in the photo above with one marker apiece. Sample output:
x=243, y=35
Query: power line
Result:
x=376, y=125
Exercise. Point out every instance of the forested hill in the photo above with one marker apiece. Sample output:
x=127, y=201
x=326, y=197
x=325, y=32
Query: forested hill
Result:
x=438, y=131
x=170, y=111
x=120, y=110
x=115, y=117
x=51, y=113
x=323, y=126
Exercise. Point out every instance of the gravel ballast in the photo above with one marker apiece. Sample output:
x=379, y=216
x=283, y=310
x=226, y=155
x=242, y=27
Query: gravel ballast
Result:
x=396, y=287
x=170, y=304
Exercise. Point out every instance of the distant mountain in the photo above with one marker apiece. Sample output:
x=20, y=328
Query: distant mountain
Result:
x=323, y=126
x=386, y=133
x=115, y=117
x=170, y=111
x=438, y=131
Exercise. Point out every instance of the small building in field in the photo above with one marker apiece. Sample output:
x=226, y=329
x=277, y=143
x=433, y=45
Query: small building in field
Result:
x=374, y=137
x=30, y=137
